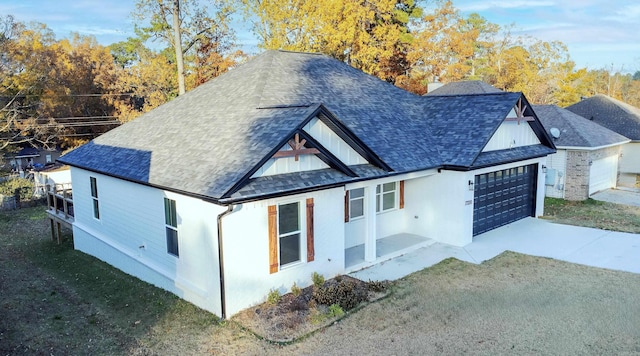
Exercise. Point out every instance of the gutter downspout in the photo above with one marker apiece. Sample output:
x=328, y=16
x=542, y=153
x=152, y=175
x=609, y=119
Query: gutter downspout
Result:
x=223, y=303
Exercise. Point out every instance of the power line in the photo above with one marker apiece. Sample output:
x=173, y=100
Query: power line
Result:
x=65, y=95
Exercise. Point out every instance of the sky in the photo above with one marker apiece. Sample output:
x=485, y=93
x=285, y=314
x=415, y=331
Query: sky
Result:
x=598, y=33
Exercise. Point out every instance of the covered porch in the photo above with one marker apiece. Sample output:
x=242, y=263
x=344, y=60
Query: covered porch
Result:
x=386, y=248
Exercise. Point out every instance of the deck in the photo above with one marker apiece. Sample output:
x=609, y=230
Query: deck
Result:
x=59, y=209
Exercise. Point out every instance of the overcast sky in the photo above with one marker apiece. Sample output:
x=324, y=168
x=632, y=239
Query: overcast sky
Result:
x=599, y=33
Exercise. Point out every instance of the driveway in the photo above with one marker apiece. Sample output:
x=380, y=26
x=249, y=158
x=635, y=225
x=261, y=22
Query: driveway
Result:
x=624, y=196
x=537, y=237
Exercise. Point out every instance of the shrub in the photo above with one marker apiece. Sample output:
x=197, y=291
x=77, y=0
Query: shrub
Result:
x=318, y=280
x=23, y=186
x=335, y=311
x=345, y=293
x=377, y=286
x=295, y=290
x=273, y=297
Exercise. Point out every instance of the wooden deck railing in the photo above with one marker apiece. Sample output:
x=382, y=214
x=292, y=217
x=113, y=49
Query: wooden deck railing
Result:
x=59, y=208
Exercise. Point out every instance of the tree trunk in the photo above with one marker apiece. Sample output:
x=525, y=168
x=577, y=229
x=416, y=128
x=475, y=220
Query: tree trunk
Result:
x=177, y=45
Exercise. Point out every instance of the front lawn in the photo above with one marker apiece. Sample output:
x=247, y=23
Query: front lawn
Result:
x=59, y=301
x=593, y=213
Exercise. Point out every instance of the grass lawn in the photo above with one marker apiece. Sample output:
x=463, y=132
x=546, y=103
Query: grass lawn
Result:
x=593, y=213
x=59, y=301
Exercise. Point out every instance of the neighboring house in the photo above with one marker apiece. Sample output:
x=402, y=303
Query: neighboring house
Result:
x=31, y=157
x=623, y=119
x=54, y=176
x=297, y=163
x=587, y=157
x=464, y=87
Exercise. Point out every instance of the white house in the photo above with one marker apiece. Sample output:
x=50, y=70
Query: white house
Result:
x=623, y=119
x=297, y=163
x=587, y=158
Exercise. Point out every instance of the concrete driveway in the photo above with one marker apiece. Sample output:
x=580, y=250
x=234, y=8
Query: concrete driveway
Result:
x=624, y=196
x=537, y=237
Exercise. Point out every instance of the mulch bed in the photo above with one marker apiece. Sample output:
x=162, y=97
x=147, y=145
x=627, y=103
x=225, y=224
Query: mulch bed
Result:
x=296, y=316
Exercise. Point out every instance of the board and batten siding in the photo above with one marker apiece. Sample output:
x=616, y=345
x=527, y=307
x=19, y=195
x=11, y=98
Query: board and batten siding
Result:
x=248, y=277
x=327, y=138
x=512, y=134
x=556, y=172
x=131, y=236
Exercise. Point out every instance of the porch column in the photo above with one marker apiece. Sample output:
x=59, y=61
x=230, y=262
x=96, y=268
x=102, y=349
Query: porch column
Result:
x=370, y=217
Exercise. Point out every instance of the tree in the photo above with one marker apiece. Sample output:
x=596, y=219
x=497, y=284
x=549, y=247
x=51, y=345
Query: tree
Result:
x=186, y=27
x=371, y=36
x=52, y=90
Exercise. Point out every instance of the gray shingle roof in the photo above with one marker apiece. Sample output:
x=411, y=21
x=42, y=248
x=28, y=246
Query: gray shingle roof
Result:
x=464, y=87
x=575, y=130
x=610, y=113
x=206, y=142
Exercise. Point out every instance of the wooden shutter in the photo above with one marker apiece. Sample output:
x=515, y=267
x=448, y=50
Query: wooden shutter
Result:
x=401, y=194
x=346, y=206
x=273, y=239
x=310, y=246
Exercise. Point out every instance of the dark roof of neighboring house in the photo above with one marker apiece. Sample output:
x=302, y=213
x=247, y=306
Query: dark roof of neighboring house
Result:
x=28, y=152
x=464, y=87
x=575, y=130
x=610, y=113
x=209, y=141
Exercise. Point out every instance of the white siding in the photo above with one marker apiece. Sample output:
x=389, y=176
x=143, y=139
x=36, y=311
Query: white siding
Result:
x=246, y=249
x=332, y=142
x=556, y=170
x=630, y=160
x=289, y=164
x=440, y=207
x=510, y=134
x=603, y=174
x=388, y=222
x=130, y=235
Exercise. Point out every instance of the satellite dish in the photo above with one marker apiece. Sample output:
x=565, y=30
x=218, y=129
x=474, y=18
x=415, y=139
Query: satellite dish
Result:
x=555, y=132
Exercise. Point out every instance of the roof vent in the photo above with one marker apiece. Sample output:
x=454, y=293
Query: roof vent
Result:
x=555, y=132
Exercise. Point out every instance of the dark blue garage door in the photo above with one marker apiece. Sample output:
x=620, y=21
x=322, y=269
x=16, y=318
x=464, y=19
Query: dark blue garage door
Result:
x=504, y=196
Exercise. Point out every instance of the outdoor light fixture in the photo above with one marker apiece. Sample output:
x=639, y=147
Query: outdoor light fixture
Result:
x=470, y=185
x=544, y=169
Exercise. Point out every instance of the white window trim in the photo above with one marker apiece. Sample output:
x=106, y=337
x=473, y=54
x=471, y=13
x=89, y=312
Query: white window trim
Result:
x=174, y=228
x=396, y=197
x=93, y=182
x=302, y=219
x=356, y=218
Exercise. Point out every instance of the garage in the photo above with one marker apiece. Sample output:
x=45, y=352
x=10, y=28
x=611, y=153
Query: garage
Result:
x=603, y=174
x=503, y=196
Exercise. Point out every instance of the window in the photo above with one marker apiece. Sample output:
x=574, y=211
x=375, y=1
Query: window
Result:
x=48, y=158
x=386, y=197
x=286, y=243
x=171, y=221
x=289, y=233
x=356, y=203
x=94, y=196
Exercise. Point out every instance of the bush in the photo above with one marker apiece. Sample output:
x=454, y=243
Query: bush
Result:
x=318, y=280
x=345, y=293
x=335, y=311
x=295, y=290
x=377, y=286
x=23, y=186
x=273, y=297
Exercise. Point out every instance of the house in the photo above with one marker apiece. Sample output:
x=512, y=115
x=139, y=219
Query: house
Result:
x=587, y=158
x=464, y=87
x=295, y=163
x=623, y=119
x=30, y=157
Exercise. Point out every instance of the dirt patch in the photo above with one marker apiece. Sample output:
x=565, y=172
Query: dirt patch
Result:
x=299, y=314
